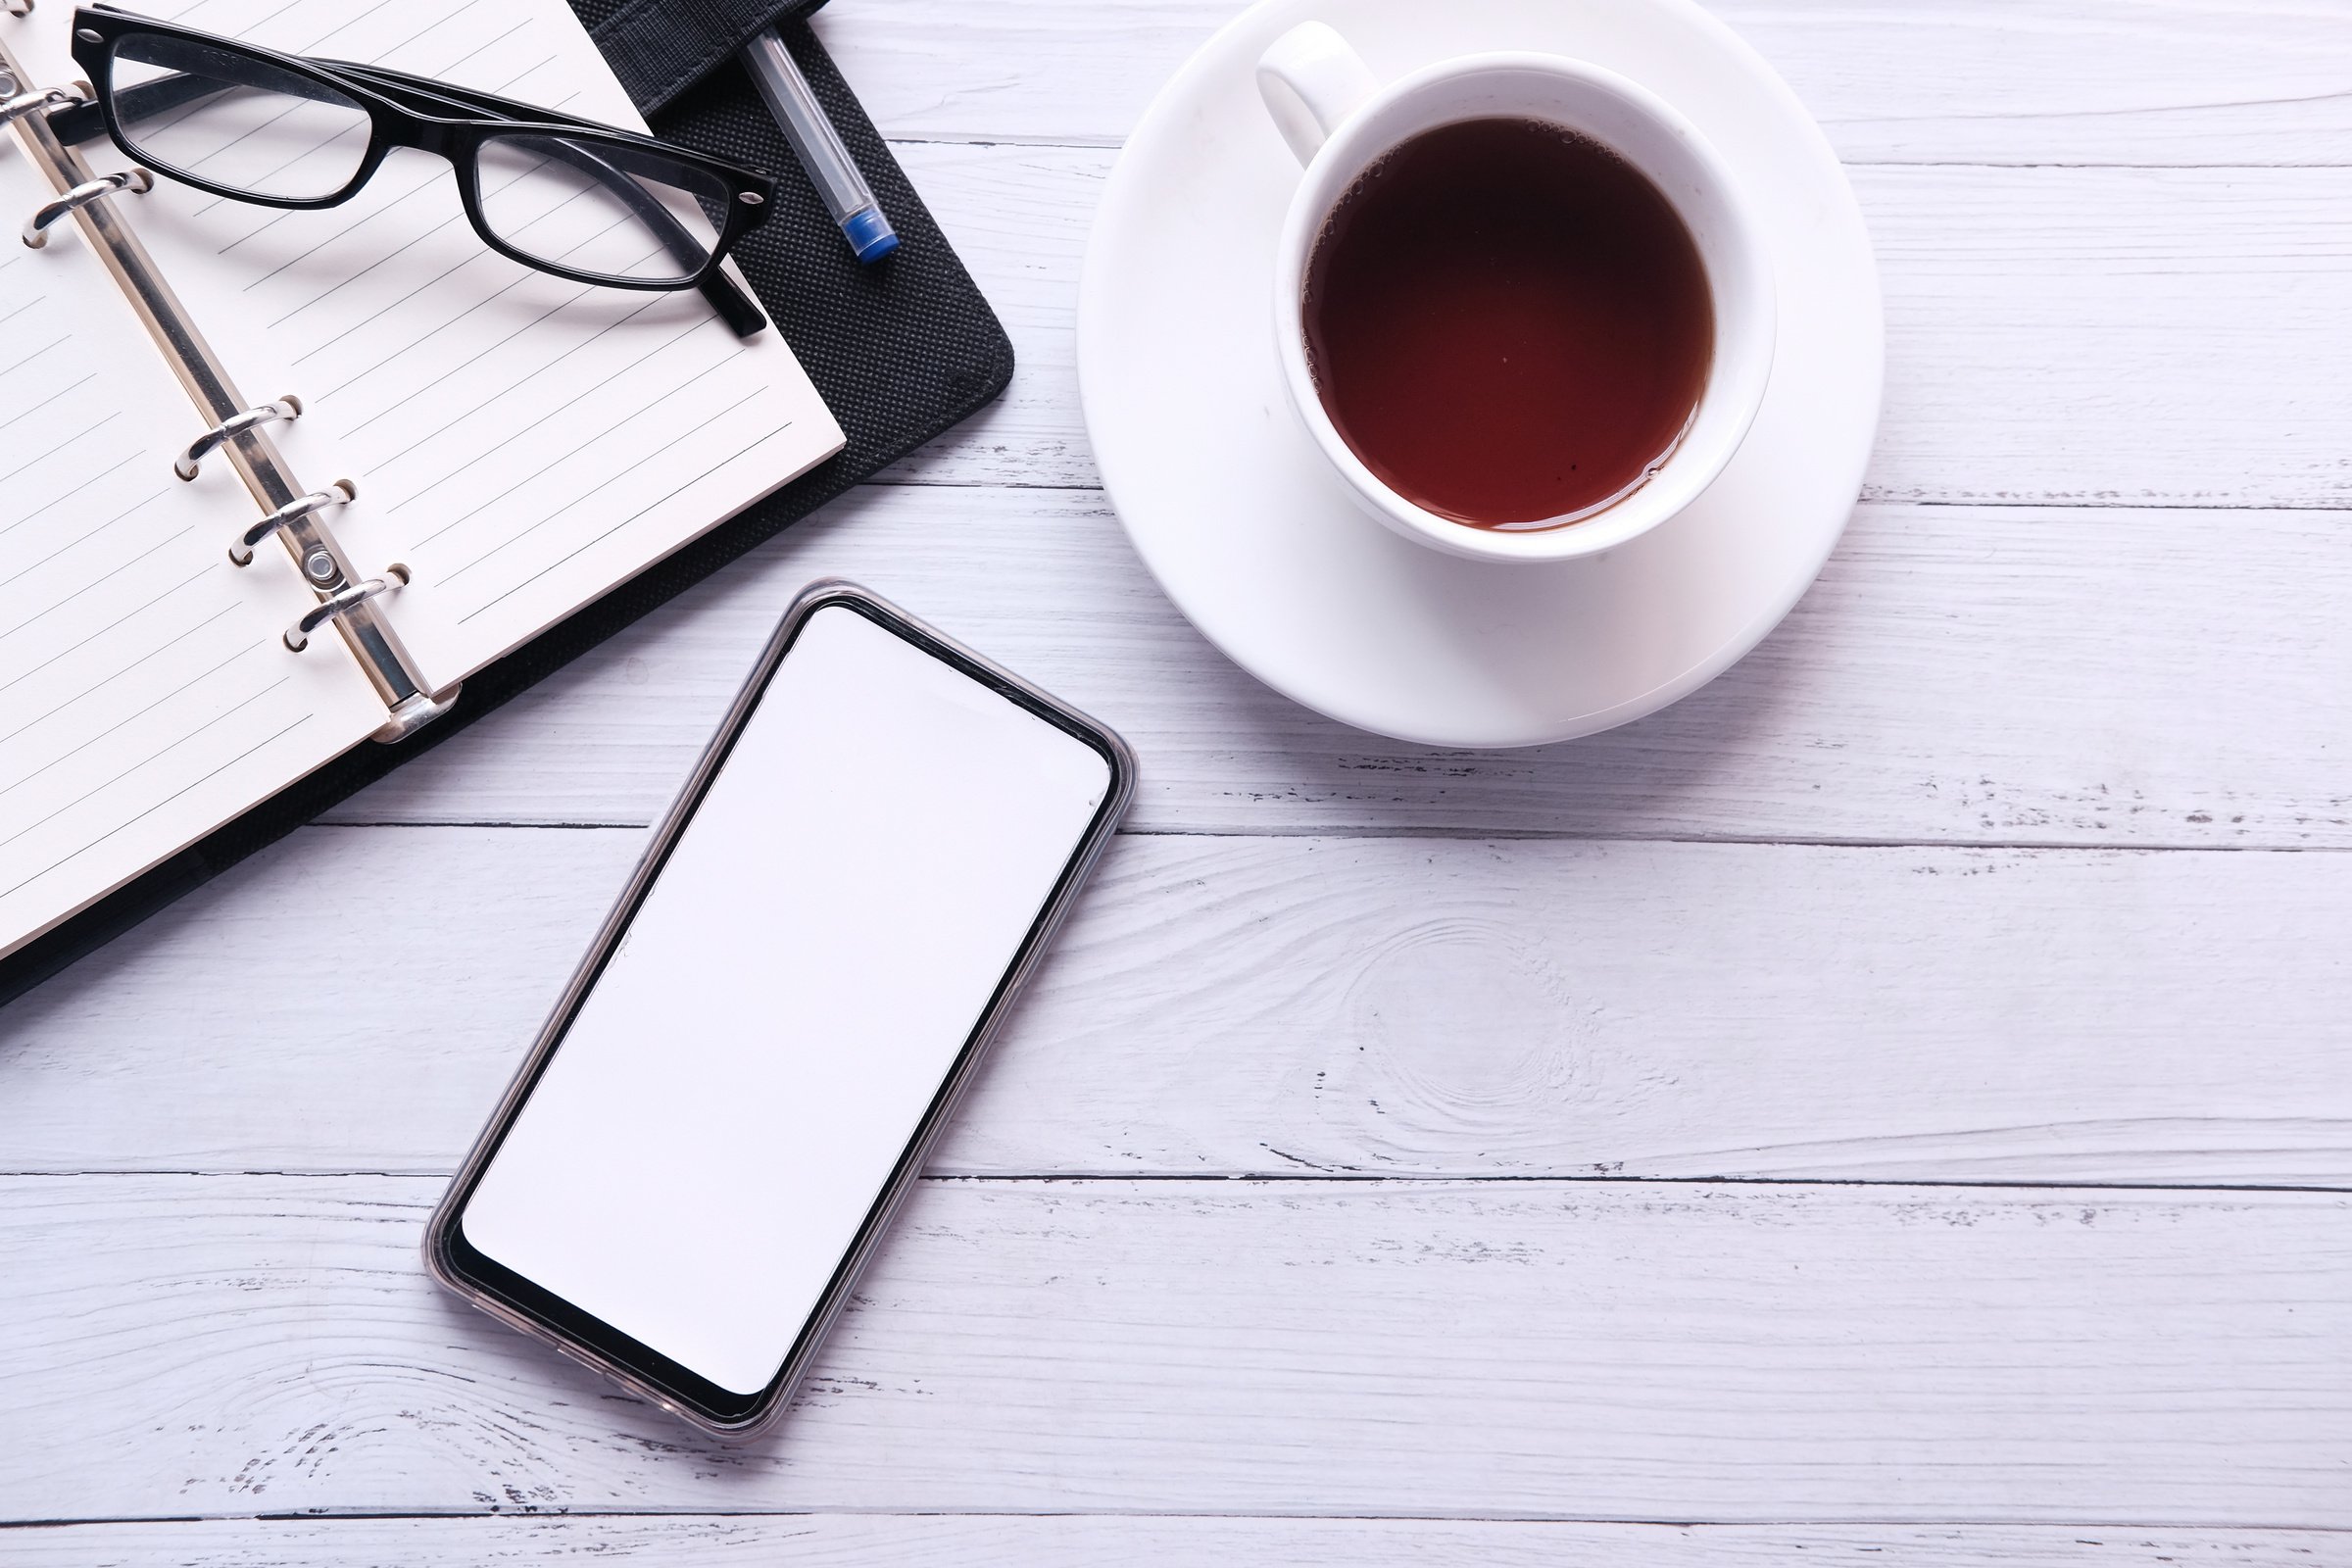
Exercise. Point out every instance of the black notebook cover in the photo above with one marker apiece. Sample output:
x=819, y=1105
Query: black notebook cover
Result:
x=901, y=351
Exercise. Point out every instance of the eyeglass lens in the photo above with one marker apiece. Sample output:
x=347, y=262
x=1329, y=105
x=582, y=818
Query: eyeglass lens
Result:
x=235, y=120
x=599, y=207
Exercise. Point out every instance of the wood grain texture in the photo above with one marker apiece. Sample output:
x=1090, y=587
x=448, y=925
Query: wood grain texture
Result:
x=863, y=1540
x=187, y=1345
x=2095, y=601
x=2077, y=336
x=1227, y=1006
x=1983, y=676
x=1994, y=82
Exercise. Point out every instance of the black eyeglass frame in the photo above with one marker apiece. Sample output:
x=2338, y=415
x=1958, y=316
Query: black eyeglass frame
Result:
x=451, y=122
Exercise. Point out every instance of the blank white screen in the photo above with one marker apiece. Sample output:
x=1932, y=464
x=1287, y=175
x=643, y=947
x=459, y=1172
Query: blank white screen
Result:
x=734, y=1093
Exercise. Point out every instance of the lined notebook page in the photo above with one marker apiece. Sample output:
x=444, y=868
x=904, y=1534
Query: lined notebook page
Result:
x=522, y=443
x=145, y=698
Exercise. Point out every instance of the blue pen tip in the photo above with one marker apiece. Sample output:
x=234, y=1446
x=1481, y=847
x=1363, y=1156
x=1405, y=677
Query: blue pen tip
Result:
x=869, y=234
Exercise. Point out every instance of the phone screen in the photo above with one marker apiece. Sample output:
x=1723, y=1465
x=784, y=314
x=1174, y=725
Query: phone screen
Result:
x=732, y=1096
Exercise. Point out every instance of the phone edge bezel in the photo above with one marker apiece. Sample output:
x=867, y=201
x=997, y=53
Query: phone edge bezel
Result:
x=771, y=1404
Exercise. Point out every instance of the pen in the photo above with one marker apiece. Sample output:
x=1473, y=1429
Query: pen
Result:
x=830, y=169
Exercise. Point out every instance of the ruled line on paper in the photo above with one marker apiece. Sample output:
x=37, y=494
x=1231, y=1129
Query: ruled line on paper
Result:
x=223, y=201
x=128, y=718
x=109, y=626
x=86, y=588
x=573, y=298
x=354, y=277
x=81, y=539
x=345, y=25
x=292, y=103
x=448, y=374
x=419, y=343
x=626, y=419
x=81, y=434
x=369, y=320
x=152, y=132
x=160, y=805
x=73, y=490
x=50, y=405
x=118, y=776
x=11, y=370
x=432, y=176
x=292, y=4
x=152, y=652
x=52, y=402
x=429, y=28
x=483, y=48
x=625, y=522
x=511, y=387
x=21, y=309
x=590, y=391
x=534, y=71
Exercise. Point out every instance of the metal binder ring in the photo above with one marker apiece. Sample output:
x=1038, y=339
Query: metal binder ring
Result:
x=343, y=493
x=134, y=180
x=343, y=603
x=40, y=98
x=288, y=407
x=20, y=8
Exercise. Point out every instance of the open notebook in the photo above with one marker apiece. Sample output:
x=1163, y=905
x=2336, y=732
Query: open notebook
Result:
x=519, y=444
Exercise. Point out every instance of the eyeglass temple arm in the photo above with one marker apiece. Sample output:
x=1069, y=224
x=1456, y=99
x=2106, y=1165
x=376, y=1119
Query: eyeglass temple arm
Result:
x=87, y=123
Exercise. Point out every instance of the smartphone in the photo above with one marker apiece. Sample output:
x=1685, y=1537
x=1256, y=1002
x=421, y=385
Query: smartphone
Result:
x=740, y=1083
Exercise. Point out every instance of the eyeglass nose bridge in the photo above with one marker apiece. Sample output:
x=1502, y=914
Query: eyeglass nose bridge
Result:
x=426, y=136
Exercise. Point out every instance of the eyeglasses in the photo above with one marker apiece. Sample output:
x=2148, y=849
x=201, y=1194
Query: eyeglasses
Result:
x=567, y=196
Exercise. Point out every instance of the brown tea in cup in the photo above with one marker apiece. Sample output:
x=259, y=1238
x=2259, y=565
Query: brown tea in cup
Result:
x=1507, y=323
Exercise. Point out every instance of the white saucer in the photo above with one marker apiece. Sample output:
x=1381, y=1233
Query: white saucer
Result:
x=1255, y=539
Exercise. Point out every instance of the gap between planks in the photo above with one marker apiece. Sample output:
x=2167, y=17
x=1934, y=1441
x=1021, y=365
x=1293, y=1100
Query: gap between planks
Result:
x=711, y=1540
x=897, y=477
x=1098, y=144
x=1313, y=1176
x=1504, y=835
x=349, y=1517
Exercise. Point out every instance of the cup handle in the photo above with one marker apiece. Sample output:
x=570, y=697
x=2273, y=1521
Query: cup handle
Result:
x=1311, y=80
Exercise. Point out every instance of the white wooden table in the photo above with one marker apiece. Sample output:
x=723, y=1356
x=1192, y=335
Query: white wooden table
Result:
x=1895, y=1106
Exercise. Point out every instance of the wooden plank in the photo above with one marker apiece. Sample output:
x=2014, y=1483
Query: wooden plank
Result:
x=2167, y=317
x=1988, y=675
x=970, y=1540
x=1999, y=81
x=193, y=1346
x=1357, y=1007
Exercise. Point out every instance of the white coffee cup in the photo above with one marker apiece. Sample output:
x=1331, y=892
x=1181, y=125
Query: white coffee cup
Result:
x=1339, y=118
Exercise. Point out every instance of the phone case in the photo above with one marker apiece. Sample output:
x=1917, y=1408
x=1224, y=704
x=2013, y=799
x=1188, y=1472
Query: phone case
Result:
x=773, y=1401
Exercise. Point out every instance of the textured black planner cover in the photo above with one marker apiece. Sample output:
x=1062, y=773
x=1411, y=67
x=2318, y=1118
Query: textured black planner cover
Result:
x=901, y=351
